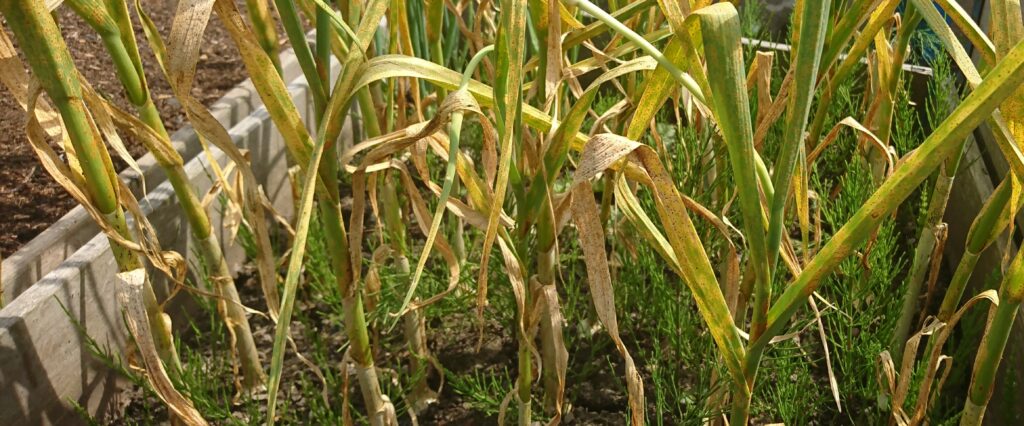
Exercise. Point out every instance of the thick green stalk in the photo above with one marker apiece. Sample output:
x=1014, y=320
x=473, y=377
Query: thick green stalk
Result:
x=741, y=394
x=330, y=210
x=940, y=192
x=414, y=321
x=990, y=354
x=323, y=45
x=230, y=305
x=94, y=13
x=525, y=379
x=118, y=11
x=125, y=55
x=813, y=24
x=289, y=15
x=958, y=284
x=362, y=355
x=944, y=141
x=352, y=303
x=263, y=26
x=547, y=270
x=151, y=116
x=923, y=252
x=128, y=65
x=420, y=394
x=291, y=282
x=993, y=218
x=325, y=28
x=371, y=123
x=415, y=330
x=394, y=228
x=435, y=24
x=552, y=377
x=457, y=232
x=284, y=115
x=48, y=56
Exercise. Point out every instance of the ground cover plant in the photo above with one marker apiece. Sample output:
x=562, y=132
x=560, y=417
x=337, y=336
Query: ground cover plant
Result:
x=561, y=211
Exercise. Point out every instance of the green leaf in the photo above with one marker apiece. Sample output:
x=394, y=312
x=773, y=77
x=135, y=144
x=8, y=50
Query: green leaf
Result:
x=999, y=84
x=510, y=51
x=813, y=25
x=720, y=30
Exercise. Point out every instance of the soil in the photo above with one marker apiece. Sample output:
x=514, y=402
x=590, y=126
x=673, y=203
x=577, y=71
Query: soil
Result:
x=30, y=200
x=453, y=339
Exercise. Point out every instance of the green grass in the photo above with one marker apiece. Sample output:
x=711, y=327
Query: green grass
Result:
x=483, y=391
x=863, y=292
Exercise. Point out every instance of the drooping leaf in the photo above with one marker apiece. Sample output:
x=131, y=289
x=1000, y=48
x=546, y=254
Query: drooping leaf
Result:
x=601, y=153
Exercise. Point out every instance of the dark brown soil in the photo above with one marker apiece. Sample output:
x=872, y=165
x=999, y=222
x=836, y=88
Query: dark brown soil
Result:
x=30, y=200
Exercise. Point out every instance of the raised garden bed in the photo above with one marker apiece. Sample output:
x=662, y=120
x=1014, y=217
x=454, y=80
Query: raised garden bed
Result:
x=472, y=378
x=62, y=335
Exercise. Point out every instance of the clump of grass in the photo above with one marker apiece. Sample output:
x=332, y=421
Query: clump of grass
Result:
x=863, y=324
x=483, y=391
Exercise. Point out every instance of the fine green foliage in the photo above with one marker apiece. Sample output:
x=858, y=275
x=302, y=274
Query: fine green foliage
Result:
x=610, y=198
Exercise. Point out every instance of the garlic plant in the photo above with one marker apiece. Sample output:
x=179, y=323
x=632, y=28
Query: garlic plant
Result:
x=528, y=72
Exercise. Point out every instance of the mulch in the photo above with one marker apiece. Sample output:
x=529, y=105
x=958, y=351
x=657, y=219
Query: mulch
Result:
x=30, y=200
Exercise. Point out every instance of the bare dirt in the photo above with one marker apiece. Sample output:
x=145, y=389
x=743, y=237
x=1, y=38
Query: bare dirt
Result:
x=30, y=200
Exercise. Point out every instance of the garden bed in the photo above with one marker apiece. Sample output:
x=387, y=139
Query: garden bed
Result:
x=658, y=317
x=62, y=337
